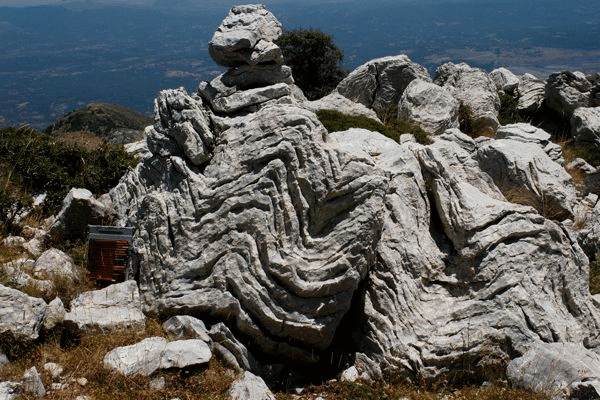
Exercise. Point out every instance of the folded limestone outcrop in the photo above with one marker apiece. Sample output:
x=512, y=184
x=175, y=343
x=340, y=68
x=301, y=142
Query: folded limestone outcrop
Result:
x=286, y=237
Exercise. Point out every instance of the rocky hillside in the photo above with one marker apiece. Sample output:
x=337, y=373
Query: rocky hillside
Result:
x=295, y=253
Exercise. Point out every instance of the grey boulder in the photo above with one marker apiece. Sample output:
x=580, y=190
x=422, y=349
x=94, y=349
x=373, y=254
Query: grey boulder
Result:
x=531, y=92
x=567, y=91
x=152, y=354
x=186, y=327
x=505, y=80
x=9, y=390
x=475, y=90
x=245, y=37
x=79, y=209
x=585, y=125
x=563, y=370
x=250, y=387
x=380, y=82
x=117, y=306
x=21, y=315
x=429, y=106
x=526, y=175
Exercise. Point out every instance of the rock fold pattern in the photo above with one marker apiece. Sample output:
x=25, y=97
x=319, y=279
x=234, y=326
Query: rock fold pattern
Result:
x=249, y=214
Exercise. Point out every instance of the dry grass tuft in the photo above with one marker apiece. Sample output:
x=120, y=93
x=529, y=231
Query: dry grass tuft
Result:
x=84, y=139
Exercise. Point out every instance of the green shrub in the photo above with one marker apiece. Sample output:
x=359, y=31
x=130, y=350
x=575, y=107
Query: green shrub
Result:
x=335, y=121
x=315, y=60
x=465, y=120
x=37, y=163
x=509, y=113
x=595, y=275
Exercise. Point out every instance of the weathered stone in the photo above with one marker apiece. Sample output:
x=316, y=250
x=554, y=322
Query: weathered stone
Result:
x=531, y=93
x=528, y=133
x=186, y=327
x=526, y=175
x=475, y=90
x=21, y=315
x=138, y=149
x=505, y=80
x=197, y=237
x=55, y=314
x=585, y=125
x=79, y=210
x=380, y=83
x=114, y=307
x=9, y=390
x=563, y=370
x=13, y=241
x=429, y=106
x=181, y=127
x=156, y=353
x=337, y=102
x=227, y=102
x=3, y=359
x=54, y=369
x=567, y=91
x=32, y=382
x=251, y=76
x=246, y=36
x=54, y=264
x=230, y=350
x=250, y=387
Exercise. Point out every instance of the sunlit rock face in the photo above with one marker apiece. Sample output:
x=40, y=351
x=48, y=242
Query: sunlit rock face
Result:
x=255, y=219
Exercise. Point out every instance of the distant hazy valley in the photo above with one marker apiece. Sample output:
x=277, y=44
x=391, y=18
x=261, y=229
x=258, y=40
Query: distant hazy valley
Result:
x=58, y=58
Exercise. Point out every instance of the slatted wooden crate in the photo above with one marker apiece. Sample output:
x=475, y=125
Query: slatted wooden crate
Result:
x=108, y=255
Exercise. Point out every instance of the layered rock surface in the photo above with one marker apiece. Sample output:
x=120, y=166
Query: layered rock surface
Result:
x=250, y=215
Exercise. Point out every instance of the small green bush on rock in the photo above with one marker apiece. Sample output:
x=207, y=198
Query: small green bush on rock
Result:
x=335, y=121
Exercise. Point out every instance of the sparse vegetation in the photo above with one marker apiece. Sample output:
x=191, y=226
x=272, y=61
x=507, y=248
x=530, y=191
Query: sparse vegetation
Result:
x=100, y=119
x=335, y=121
x=315, y=60
x=465, y=120
x=32, y=163
x=595, y=275
x=509, y=113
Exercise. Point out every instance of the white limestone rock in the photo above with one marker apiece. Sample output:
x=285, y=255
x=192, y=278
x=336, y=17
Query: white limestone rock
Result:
x=337, y=102
x=79, y=210
x=32, y=382
x=245, y=37
x=585, y=125
x=54, y=369
x=9, y=390
x=381, y=82
x=181, y=127
x=567, y=91
x=55, y=313
x=526, y=175
x=274, y=235
x=223, y=100
x=185, y=326
x=505, y=80
x=138, y=149
x=531, y=92
x=21, y=315
x=528, y=133
x=473, y=88
x=231, y=351
x=3, y=359
x=563, y=370
x=13, y=241
x=429, y=106
x=55, y=264
x=250, y=387
x=156, y=353
x=117, y=306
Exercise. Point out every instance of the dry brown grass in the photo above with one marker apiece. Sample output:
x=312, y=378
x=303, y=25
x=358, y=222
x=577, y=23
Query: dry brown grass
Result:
x=86, y=361
x=85, y=139
x=540, y=203
x=381, y=390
